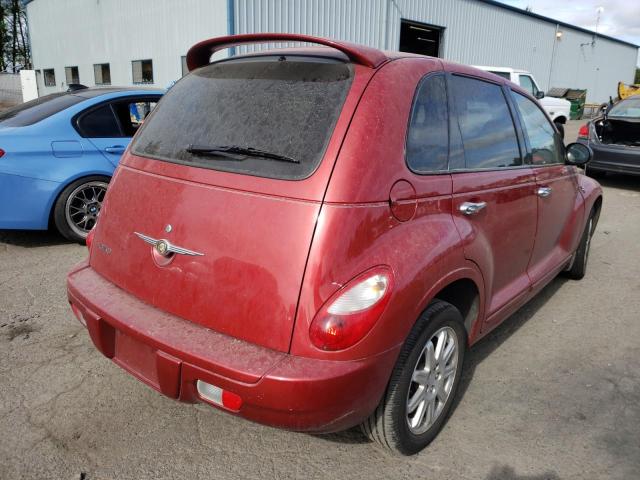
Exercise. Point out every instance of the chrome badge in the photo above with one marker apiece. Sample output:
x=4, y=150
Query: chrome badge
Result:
x=165, y=248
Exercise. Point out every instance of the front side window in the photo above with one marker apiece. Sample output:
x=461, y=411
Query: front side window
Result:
x=132, y=114
x=545, y=143
x=526, y=82
x=428, y=135
x=102, y=73
x=268, y=116
x=486, y=127
x=72, y=75
x=142, y=71
x=49, y=77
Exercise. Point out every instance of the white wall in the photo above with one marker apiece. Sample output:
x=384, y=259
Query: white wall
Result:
x=476, y=33
x=84, y=32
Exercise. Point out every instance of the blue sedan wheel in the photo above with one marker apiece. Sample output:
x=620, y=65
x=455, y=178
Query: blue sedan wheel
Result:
x=77, y=209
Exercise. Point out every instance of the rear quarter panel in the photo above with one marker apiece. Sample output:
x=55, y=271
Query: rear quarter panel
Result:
x=356, y=229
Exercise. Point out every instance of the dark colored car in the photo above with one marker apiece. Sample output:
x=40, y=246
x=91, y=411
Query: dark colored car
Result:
x=614, y=138
x=311, y=238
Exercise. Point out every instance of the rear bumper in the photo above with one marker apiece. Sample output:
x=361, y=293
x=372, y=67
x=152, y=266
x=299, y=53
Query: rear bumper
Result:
x=171, y=354
x=615, y=159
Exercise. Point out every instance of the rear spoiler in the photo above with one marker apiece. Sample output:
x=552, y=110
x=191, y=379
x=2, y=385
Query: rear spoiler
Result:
x=200, y=54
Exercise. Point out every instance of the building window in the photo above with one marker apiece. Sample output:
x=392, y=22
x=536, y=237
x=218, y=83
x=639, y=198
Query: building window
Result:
x=49, y=77
x=142, y=71
x=102, y=74
x=185, y=69
x=72, y=75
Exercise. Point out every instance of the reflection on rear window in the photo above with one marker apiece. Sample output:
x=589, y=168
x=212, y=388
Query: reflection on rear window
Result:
x=284, y=105
x=36, y=110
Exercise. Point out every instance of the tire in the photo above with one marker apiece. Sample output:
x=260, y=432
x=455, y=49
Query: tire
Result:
x=560, y=128
x=389, y=424
x=84, y=196
x=578, y=265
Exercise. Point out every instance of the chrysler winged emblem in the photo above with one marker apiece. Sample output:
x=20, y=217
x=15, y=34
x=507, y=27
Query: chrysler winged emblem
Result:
x=165, y=248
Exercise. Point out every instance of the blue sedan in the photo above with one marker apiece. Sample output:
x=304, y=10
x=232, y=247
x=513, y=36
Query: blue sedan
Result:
x=58, y=152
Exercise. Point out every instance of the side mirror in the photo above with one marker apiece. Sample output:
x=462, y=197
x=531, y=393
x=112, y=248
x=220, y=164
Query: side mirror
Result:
x=539, y=94
x=578, y=154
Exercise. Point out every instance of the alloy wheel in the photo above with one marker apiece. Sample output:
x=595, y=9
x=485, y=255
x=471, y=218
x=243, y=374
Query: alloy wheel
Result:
x=432, y=380
x=83, y=206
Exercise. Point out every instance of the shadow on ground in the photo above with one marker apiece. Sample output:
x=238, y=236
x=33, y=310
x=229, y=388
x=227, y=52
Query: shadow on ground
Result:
x=32, y=238
x=475, y=357
x=615, y=180
x=508, y=473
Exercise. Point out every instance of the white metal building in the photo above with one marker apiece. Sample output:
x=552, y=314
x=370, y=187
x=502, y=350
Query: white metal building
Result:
x=121, y=42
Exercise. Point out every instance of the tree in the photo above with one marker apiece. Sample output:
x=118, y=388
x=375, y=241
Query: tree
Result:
x=15, y=53
x=637, y=79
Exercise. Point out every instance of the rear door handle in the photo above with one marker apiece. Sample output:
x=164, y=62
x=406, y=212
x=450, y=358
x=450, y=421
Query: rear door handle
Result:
x=544, y=191
x=471, y=208
x=115, y=149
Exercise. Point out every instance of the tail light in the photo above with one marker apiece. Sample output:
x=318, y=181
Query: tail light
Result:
x=218, y=396
x=351, y=313
x=89, y=239
x=584, y=131
x=2, y=152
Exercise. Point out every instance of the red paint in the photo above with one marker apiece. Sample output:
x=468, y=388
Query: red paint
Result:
x=200, y=53
x=277, y=252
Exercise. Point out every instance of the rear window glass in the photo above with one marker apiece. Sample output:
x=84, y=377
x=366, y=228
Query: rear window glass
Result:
x=285, y=106
x=627, y=108
x=33, y=111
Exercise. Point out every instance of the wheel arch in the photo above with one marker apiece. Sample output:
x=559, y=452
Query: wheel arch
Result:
x=54, y=198
x=464, y=289
x=560, y=119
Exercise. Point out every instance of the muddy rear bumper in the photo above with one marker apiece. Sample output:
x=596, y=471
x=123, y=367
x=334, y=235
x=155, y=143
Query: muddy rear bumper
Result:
x=171, y=354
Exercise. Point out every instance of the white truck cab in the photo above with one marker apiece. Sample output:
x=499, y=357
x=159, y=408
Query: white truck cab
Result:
x=557, y=108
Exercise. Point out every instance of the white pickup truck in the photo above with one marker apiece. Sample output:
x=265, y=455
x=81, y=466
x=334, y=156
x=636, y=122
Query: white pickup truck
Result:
x=557, y=108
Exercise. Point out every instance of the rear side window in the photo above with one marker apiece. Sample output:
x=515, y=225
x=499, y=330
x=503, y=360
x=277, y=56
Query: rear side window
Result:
x=485, y=123
x=36, y=110
x=286, y=106
x=506, y=75
x=546, y=144
x=99, y=123
x=428, y=135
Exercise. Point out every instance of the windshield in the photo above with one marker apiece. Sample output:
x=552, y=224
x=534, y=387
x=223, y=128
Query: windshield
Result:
x=33, y=111
x=626, y=108
x=224, y=115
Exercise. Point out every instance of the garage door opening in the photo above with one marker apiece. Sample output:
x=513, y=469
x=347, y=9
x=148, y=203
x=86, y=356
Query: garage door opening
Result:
x=420, y=38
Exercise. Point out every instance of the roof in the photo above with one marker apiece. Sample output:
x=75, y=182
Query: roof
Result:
x=555, y=22
x=92, y=92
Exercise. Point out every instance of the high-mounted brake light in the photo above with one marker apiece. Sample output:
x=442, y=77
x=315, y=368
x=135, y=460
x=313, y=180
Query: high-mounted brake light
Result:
x=350, y=314
x=584, y=131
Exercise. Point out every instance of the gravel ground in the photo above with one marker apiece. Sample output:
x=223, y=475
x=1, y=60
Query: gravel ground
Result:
x=552, y=394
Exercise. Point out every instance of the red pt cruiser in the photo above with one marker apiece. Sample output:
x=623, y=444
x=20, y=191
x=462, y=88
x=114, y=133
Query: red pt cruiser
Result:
x=311, y=238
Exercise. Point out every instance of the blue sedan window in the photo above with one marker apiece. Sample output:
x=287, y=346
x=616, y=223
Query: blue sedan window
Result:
x=36, y=110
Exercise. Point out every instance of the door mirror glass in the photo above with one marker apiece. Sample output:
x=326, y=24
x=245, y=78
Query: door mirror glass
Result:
x=539, y=94
x=578, y=154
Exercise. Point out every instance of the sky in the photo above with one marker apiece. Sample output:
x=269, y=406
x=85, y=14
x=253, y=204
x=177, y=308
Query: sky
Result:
x=619, y=18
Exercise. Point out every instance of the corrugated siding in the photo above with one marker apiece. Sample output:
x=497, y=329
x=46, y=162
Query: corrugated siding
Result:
x=475, y=33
